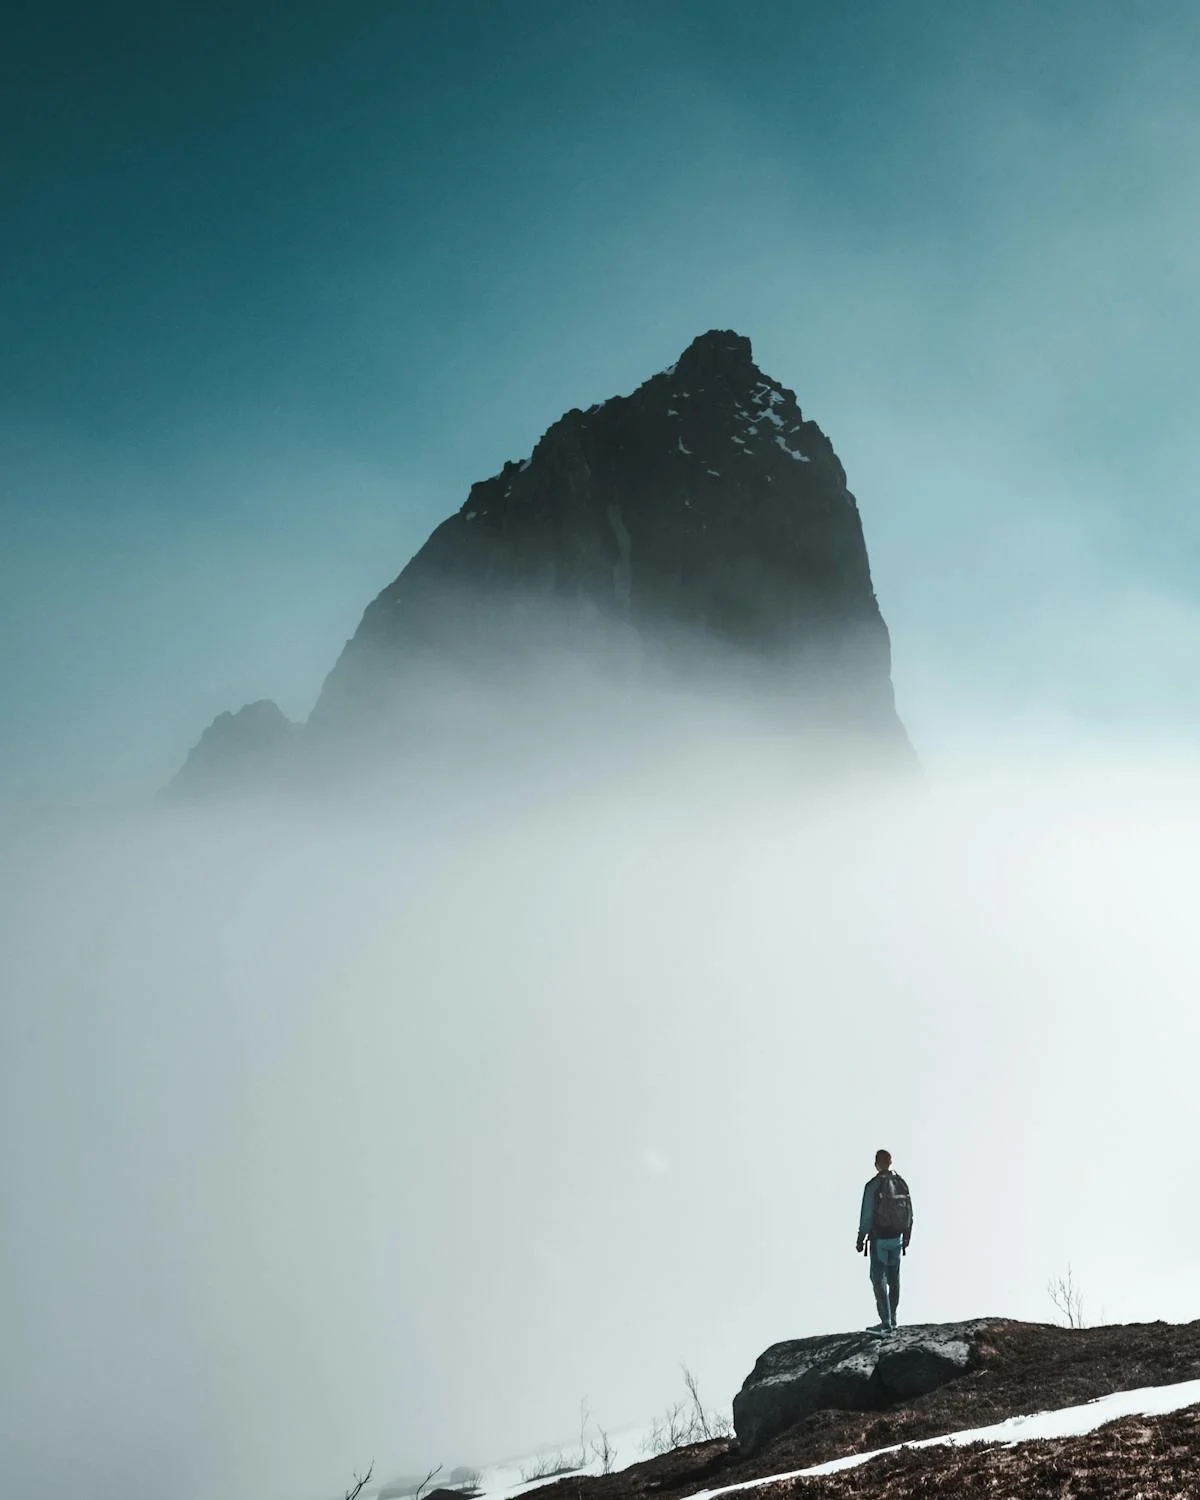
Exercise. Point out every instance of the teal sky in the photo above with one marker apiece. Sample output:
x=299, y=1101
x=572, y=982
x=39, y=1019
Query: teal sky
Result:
x=277, y=282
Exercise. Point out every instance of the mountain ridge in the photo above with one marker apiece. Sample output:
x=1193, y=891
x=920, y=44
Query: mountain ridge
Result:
x=700, y=516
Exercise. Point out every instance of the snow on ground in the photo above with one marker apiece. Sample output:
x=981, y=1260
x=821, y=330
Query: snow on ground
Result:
x=1070, y=1421
x=514, y=1477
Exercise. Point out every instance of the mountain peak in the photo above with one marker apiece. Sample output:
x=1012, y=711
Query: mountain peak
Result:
x=700, y=507
x=246, y=747
x=720, y=350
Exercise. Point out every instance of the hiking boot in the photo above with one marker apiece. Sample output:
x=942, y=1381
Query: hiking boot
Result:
x=879, y=1328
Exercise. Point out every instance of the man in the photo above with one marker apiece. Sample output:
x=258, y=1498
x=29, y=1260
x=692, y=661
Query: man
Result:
x=884, y=1230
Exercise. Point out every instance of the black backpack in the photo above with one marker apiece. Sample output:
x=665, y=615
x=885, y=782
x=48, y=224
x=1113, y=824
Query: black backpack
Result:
x=891, y=1216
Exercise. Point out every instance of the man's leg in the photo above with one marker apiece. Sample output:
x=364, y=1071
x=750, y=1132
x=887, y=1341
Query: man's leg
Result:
x=893, y=1280
x=879, y=1275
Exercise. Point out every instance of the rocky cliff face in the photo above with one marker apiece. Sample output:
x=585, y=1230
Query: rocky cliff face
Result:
x=702, y=507
x=701, y=514
x=244, y=749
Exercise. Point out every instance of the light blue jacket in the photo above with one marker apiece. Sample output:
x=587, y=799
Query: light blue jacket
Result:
x=864, y=1217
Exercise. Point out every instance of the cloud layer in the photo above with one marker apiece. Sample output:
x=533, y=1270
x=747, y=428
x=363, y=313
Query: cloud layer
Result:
x=341, y=1134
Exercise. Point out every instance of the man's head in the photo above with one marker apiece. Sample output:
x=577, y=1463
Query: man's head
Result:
x=883, y=1161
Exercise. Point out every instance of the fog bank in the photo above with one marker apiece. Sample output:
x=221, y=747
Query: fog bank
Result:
x=342, y=1134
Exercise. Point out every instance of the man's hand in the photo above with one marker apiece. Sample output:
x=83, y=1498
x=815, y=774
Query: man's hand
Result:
x=859, y=1246
x=904, y=1247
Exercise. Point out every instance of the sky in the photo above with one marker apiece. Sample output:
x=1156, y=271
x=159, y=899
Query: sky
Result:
x=278, y=283
x=332, y=1133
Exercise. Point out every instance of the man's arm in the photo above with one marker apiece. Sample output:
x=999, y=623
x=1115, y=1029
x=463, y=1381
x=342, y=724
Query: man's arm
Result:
x=864, y=1214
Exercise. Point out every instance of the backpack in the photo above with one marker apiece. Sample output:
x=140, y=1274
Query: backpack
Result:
x=891, y=1216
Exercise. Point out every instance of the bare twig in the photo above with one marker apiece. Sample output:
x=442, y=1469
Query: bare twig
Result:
x=360, y=1483
x=699, y=1419
x=549, y=1466
x=1067, y=1298
x=585, y=1416
x=602, y=1450
x=686, y=1422
x=416, y=1495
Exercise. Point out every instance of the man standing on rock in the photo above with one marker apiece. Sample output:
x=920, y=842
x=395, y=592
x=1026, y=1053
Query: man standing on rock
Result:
x=884, y=1230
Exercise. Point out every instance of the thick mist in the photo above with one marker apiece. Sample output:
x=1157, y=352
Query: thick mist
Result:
x=391, y=1129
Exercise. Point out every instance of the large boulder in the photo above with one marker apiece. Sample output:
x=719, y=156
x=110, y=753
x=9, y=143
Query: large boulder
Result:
x=849, y=1372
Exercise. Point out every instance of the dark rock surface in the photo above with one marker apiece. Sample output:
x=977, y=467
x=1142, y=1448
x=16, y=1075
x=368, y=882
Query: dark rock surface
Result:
x=848, y=1372
x=1015, y=1368
x=701, y=507
x=700, y=519
x=237, y=751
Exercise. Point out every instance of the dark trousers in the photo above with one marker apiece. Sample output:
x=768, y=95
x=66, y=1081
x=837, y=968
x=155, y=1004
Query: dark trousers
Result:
x=885, y=1278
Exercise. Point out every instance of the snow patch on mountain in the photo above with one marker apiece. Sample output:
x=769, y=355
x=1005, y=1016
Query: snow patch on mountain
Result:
x=516, y=1476
x=1067, y=1422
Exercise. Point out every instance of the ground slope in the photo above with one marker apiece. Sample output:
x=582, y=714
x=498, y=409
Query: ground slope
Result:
x=1021, y=1368
x=1137, y=1458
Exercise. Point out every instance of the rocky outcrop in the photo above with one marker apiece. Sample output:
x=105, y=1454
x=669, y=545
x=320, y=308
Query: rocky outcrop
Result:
x=849, y=1372
x=700, y=519
x=1013, y=1369
x=703, y=508
x=237, y=751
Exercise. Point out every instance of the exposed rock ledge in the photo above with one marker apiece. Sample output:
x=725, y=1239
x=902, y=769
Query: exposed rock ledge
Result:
x=849, y=1372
